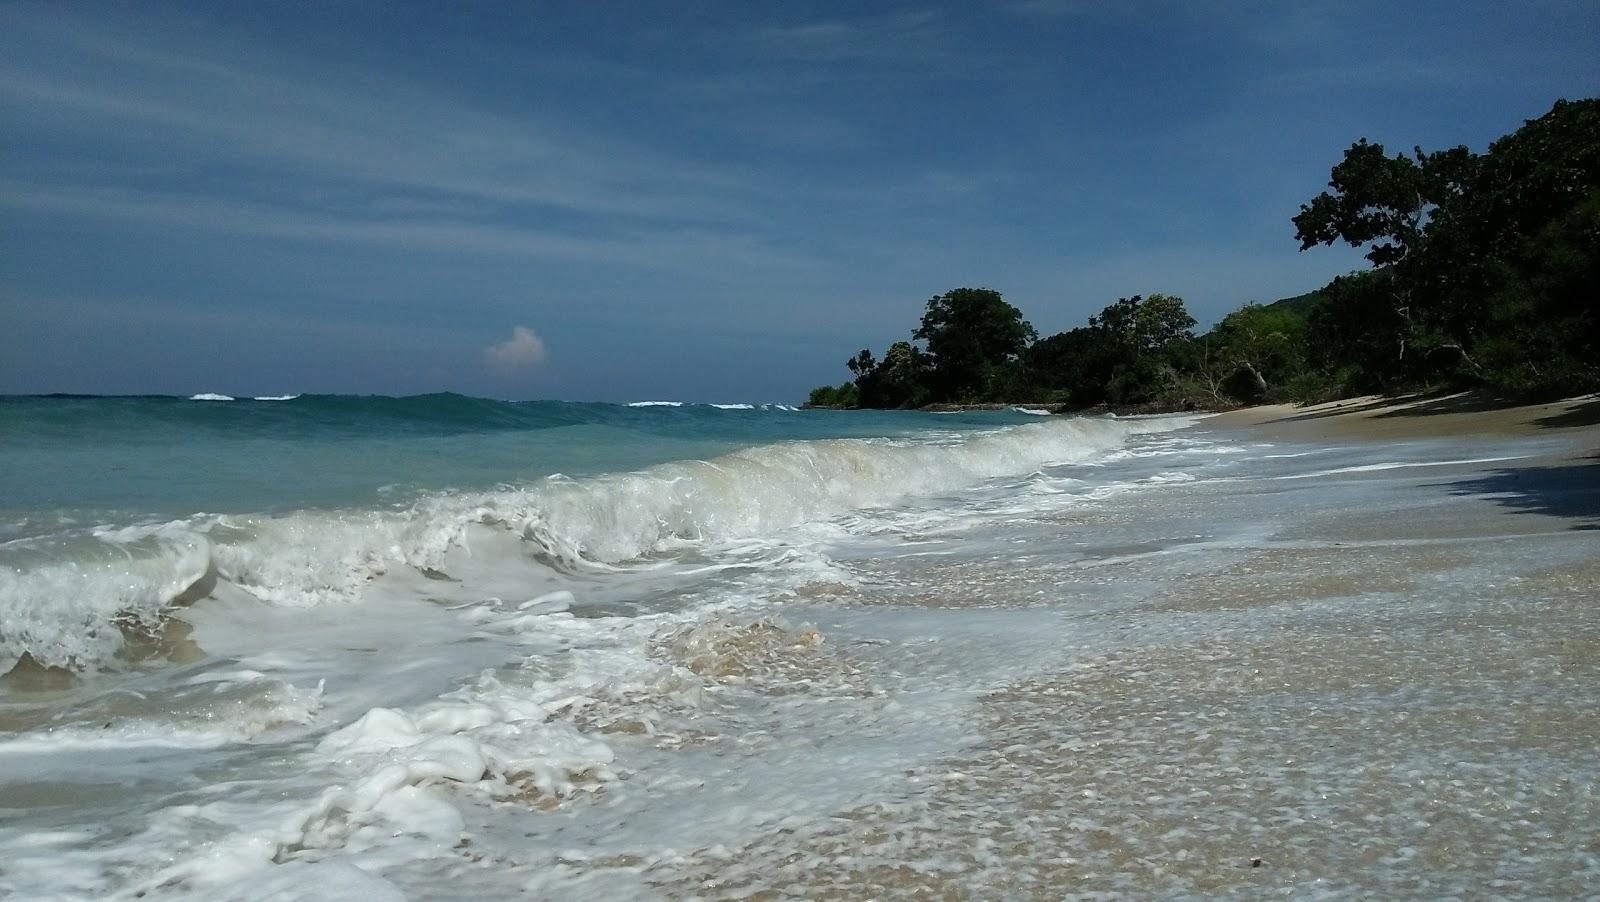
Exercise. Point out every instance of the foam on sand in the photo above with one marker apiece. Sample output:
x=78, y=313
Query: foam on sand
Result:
x=75, y=597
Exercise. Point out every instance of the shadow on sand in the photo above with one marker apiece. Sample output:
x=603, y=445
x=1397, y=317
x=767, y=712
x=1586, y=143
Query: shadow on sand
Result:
x=1339, y=409
x=1570, y=491
x=1457, y=402
x=1585, y=413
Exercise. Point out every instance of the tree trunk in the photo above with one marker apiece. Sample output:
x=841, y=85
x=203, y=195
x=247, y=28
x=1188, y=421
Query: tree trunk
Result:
x=1261, y=382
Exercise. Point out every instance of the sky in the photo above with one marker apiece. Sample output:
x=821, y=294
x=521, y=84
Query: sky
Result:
x=713, y=201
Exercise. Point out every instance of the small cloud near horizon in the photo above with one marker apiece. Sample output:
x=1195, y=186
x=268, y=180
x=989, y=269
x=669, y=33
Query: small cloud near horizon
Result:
x=522, y=350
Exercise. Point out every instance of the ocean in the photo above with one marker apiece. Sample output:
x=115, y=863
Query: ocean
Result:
x=443, y=647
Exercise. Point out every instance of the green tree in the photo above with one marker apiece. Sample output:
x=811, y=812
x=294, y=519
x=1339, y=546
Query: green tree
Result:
x=898, y=381
x=970, y=332
x=1144, y=325
x=1158, y=322
x=1265, y=345
x=843, y=395
x=862, y=364
x=1383, y=202
x=1132, y=339
x=1483, y=263
x=1072, y=367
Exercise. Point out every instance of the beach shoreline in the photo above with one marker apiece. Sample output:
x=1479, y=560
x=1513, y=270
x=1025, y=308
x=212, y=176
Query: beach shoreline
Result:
x=1168, y=649
x=1380, y=690
x=1379, y=418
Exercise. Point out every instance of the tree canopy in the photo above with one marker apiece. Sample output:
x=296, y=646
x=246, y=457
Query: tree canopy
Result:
x=1485, y=271
x=1483, y=263
x=970, y=333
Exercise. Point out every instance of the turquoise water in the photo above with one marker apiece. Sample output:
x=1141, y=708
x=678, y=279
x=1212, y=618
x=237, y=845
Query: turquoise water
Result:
x=239, y=633
x=443, y=648
x=170, y=456
x=115, y=511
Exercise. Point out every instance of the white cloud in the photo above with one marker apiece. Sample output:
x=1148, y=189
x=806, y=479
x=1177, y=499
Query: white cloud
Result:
x=523, y=349
x=682, y=249
x=345, y=133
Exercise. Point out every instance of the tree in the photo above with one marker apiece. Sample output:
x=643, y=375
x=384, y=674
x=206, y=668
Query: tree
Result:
x=1160, y=321
x=1069, y=366
x=862, y=364
x=1383, y=201
x=1266, y=344
x=1483, y=263
x=842, y=396
x=970, y=332
x=1144, y=325
x=895, y=382
x=1132, y=338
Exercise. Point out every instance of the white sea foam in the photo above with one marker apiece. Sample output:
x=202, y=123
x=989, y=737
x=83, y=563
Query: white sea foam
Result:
x=1400, y=465
x=841, y=662
x=210, y=396
x=655, y=403
x=275, y=397
x=70, y=605
x=733, y=406
x=199, y=716
x=1031, y=411
x=411, y=742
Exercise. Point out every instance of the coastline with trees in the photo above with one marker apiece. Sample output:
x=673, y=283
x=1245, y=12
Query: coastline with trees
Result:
x=1485, y=274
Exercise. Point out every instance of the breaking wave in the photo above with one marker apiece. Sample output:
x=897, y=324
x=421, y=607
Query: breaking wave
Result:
x=70, y=599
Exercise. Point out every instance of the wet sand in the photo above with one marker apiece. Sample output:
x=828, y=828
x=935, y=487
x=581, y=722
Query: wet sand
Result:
x=1392, y=696
x=1275, y=654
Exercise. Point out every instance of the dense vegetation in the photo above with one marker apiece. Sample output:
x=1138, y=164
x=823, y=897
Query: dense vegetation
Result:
x=1485, y=270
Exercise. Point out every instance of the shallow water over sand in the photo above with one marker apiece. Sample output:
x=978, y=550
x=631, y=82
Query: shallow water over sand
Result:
x=1136, y=672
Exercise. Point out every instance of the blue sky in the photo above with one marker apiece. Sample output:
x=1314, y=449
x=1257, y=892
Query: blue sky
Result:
x=704, y=201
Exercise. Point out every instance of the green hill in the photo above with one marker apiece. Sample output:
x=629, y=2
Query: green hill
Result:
x=1300, y=303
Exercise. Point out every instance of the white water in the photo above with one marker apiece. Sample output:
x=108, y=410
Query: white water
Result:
x=63, y=607
x=637, y=685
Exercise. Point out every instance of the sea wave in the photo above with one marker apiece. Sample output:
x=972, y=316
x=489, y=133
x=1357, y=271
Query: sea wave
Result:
x=70, y=600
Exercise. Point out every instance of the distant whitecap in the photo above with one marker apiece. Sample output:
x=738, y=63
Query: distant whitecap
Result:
x=210, y=396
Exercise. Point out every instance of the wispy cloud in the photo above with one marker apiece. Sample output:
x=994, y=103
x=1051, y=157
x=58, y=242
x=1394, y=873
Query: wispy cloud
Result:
x=1051, y=9
x=304, y=140
x=894, y=37
x=305, y=130
x=190, y=127
x=683, y=249
x=522, y=350
x=1123, y=10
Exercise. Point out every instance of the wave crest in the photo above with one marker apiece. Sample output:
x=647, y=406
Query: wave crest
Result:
x=67, y=602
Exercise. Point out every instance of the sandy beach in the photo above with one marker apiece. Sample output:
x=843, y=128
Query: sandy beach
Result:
x=1350, y=651
x=1374, y=418
x=1388, y=696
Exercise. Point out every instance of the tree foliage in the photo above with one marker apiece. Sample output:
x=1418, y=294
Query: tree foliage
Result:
x=1255, y=351
x=843, y=395
x=1483, y=263
x=1485, y=272
x=970, y=333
